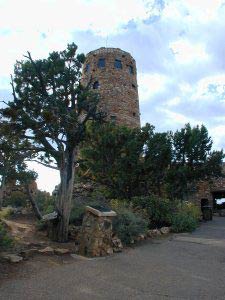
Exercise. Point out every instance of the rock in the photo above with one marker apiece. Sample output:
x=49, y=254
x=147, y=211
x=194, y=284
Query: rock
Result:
x=109, y=251
x=117, y=244
x=165, y=230
x=47, y=250
x=61, y=251
x=29, y=253
x=153, y=233
x=12, y=258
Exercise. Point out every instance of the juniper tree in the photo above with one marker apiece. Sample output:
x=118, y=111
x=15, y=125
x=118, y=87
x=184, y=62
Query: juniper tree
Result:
x=50, y=109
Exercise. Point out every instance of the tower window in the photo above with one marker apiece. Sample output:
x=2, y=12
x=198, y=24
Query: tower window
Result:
x=101, y=63
x=134, y=114
x=118, y=64
x=87, y=68
x=96, y=85
x=131, y=69
x=133, y=86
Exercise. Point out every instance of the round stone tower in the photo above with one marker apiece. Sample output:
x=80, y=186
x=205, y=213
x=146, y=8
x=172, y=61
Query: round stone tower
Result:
x=112, y=73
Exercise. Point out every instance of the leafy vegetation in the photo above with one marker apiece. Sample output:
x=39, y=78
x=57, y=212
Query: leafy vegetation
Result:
x=158, y=210
x=5, y=240
x=50, y=110
x=128, y=225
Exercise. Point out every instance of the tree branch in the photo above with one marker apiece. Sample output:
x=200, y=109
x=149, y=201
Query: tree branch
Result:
x=41, y=163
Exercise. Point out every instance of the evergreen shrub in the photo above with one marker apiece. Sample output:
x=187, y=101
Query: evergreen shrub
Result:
x=127, y=225
x=158, y=210
x=5, y=240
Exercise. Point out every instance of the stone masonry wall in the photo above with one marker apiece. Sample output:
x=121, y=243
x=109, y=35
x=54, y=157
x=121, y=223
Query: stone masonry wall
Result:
x=117, y=88
x=205, y=190
x=96, y=235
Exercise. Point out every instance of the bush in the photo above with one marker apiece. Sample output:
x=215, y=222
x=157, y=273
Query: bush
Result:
x=6, y=212
x=5, y=240
x=183, y=222
x=45, y=202
x=158, y=210
x=16, y=199
x=76, y=215
x=128, y=225
x=192, y=210
x=41, y=225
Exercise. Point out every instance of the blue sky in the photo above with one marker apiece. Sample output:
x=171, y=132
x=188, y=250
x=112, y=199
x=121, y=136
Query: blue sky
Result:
x=179, y=47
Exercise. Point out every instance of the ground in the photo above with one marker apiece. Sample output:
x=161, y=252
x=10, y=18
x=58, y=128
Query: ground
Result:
x=182, y=266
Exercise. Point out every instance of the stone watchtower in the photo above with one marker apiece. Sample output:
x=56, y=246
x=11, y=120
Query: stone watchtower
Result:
x=112, y=73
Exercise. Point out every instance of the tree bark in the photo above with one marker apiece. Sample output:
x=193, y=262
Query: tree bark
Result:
x=33, y=203
x=60, y=228
x=2, y=189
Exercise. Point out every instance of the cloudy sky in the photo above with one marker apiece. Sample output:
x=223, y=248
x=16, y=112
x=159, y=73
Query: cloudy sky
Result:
x=179, y=47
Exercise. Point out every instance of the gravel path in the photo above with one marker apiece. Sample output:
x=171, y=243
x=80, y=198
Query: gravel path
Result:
x=183, y=266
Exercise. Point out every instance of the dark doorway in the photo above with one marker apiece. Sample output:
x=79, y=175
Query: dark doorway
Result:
x=218, y=200
x=204, y=202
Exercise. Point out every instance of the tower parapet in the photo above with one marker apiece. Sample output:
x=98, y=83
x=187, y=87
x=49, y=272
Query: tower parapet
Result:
x=112, y=73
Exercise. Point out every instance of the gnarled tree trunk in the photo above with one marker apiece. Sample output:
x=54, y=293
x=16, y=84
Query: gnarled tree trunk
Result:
x=60, y=228
x=2, y=190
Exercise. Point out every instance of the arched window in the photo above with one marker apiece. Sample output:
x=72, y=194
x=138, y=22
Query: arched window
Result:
x=95, y=85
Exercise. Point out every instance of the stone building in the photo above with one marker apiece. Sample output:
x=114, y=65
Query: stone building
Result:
x=112, y=73
x=208, y=192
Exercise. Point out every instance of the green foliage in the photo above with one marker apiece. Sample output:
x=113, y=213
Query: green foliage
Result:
x=191, y=209
x=77, y=214
x=41, y=225
x=5, y=240
x=186, y=218
x=16, y=199
x=158, y=210
x=50, y=109
x=157, y=158
x=128, y=225
x=111, y=156
x=45, y=202
x=183, y=222
x=192, y=160
x=6, y=212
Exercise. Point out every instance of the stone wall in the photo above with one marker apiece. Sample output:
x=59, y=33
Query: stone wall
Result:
x=117, y=87
x=205, y=189
x=96, y=234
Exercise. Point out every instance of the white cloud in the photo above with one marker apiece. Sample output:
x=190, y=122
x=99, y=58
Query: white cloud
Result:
x=100, y=16
x=173, y=102
x=218, y=134
x=150, y=84
x=185, y=52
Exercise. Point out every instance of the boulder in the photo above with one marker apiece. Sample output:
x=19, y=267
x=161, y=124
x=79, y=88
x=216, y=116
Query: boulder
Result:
x=153, y=233
x=61, y=251
x=165, y=230
x=29, y=253
x=12, y=258
x=47, y=251
x=117, y=244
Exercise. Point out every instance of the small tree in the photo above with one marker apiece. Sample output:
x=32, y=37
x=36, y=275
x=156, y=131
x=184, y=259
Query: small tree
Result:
x=157, y=158
x=50, y=109
x=111, y=156
x=13, y=152
x=192, y=160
